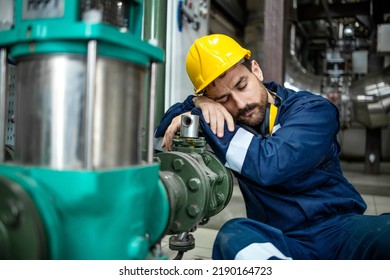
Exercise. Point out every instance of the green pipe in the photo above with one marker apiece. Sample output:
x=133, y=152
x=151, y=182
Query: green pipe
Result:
x=155, y=22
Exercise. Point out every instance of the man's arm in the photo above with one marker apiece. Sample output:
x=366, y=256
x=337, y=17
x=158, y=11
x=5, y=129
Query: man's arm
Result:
x=215, y=115
x=303, y=142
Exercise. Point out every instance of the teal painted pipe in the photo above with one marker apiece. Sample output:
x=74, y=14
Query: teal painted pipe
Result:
x=115, y=214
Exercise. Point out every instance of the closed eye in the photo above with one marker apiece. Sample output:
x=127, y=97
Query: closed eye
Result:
x=223, y=99
x=242, y=86
x=241, y=83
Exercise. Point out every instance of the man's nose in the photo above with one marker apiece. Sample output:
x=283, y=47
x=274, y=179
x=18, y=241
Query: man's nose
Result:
x=237, y=98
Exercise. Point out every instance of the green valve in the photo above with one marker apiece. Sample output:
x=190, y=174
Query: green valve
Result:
x=199, y=187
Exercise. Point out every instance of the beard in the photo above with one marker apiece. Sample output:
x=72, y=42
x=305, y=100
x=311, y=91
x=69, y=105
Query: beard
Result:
x=259, y=108
x=257, y=115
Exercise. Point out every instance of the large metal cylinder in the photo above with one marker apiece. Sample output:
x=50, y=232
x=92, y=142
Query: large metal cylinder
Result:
x=51, y=112
x=371, y=99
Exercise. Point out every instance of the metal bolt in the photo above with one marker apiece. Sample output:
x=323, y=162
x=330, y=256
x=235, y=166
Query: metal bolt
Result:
x=193, y=210
x=194, y=184
x=221, y=176
x=206, y=159
x=220, y=197
x=178, y=164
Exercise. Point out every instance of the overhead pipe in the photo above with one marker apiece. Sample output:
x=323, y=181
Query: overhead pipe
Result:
x=329, y=18
x=296, y=76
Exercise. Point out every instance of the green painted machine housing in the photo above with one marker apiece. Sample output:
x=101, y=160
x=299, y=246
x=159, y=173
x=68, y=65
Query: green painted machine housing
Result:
x=84, y=214
x=68, y=34
x=199, y=185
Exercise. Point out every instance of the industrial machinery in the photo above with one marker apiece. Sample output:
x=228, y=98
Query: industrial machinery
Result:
x=371, y=99
x=75, y=185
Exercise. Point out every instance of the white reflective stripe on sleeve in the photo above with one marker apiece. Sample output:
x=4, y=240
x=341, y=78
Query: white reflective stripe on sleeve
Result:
x=237, y=150
x=275, y=128
x=260, y=251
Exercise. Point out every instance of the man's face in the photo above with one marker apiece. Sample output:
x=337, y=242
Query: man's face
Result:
x=242, y=93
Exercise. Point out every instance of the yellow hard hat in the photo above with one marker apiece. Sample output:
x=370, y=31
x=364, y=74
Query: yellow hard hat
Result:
x=210, y=56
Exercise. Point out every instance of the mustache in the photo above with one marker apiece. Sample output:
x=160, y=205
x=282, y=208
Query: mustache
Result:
x=246, y=109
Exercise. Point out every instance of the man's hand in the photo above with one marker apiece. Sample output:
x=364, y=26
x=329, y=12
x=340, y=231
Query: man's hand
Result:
x=171, y=132
x=214, y=114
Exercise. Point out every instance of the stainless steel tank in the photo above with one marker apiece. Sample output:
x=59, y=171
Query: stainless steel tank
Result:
x=371, y=99
x=51, y=112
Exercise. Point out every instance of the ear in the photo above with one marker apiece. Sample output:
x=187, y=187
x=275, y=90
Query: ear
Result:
x=257, y=70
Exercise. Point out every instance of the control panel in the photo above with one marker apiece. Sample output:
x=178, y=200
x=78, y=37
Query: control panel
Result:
x=187, y=20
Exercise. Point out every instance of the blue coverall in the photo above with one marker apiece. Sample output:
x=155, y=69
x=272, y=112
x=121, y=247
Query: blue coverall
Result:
x=298, y=203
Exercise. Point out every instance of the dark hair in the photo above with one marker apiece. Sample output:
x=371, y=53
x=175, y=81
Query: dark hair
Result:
x=247, y=63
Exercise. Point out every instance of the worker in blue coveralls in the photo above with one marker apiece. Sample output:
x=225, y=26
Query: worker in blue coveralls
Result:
x=282, y=147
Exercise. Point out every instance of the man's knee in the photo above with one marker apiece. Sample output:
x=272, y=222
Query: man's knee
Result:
x=227, y=239
x=240, y=233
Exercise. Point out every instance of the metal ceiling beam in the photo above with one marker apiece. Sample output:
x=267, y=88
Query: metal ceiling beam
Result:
x=311, y=12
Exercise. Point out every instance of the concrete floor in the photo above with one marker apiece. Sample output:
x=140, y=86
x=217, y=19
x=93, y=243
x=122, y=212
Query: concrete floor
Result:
x=375, y=190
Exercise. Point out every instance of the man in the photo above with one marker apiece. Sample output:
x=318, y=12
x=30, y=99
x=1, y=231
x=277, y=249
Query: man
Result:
x=282, y=147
